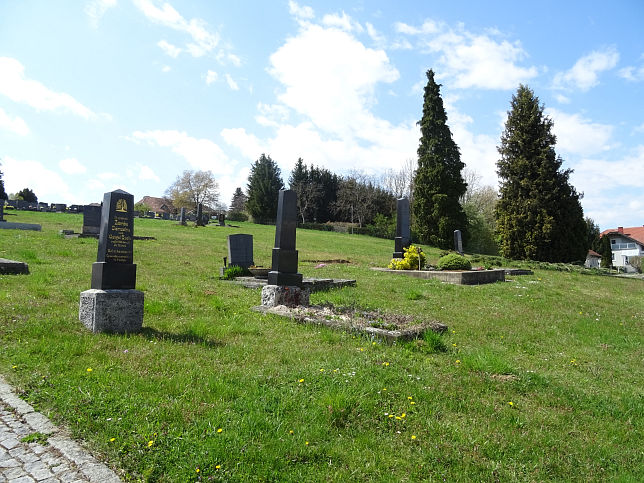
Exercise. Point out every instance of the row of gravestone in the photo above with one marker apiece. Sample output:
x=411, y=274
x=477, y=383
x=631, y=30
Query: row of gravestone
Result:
x=41, y=206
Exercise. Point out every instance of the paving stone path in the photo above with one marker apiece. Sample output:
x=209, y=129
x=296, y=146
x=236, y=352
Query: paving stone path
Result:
x=52, y=458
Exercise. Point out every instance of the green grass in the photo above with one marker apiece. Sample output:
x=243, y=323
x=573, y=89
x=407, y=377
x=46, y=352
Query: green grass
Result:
x=564, y=348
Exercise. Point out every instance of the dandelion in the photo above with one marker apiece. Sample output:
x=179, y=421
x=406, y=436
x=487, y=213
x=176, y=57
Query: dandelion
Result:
x=391, y=415
x=89, y=369
x=458, y=361
x=196, y=470
x=112, y=440
x=384, y=388
x=290, y=432
x=410, y=398
x=361, y=349
x=398, y=418
x=219, y=430
x=150, y=443
x=321, y=370
x=14, y=367
x=335, y=370
x=413, y=436
x=453, y=345
x=385, y=363
x=306, y=443
x=301, y=380
x=217, y=467
x=403, y=415
x=510, y=403
x=412, y=402
x=373, y=343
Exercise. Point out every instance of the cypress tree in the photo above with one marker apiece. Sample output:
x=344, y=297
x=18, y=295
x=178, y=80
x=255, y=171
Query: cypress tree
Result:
x=264, y=184
x=539, y=216
x=439, y=183
x=606, y=252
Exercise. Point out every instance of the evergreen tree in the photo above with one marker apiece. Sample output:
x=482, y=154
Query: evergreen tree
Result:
x=238, y=202
x=605, y=251
x=3, y=193
x=264, y=184
x=27, y=194
x=329, y=184
x=593, y=234
x=438, y=184
x=308, y=192
x=539, y=216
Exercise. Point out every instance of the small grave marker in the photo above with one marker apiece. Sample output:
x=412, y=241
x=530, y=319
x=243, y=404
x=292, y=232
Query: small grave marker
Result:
x=458, y=241
x=403, y=230
x=91, y=220
x=240, y=250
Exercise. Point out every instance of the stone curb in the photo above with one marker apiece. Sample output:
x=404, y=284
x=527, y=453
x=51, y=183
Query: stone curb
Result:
x=89, y=466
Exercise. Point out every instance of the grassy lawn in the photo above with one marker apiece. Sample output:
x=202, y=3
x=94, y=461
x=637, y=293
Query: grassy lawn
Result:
x=538, y=378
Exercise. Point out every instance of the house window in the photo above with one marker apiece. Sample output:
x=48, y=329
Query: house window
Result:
x=612, y=242
x=625, y=259
x=613, y=256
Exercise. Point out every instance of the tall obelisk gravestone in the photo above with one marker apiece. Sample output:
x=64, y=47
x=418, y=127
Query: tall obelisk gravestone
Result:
x=403, y=231
x=112, y=304
x=284, y=283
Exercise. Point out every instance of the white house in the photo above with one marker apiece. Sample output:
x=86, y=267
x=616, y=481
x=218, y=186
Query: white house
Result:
x=625, y=243
x=593, y=259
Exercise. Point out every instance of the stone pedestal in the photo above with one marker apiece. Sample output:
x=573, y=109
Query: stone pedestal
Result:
x=116, y=311
x=291, y=296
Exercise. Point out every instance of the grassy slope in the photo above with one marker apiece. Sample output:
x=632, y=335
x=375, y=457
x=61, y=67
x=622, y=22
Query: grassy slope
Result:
x=565, y=349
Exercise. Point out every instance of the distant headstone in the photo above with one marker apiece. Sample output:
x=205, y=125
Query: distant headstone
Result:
x=403, y=230
x=112, y=304
x=458, y=241
x=60, y=207
x=43, y=207
x=91, y=220
x=165, y=216
x=182, y=217
x=1, y=210
x=240, y=250
x=222, y=219
x=199, y=214
x=12, y=267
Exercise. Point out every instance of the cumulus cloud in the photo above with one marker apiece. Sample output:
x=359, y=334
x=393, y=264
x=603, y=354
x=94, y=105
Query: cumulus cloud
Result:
x=578, y=135
x=47, y=184
x=201, y=154
x=71, y=166
x=585, y=73
x=17, y=87
x=97, y=8
x=147, y=174
x=633, y=73
x=472, y=60
x=15, y=125
x=171, y=50
x=300, y=12
x=343, y=22
x=211, y=77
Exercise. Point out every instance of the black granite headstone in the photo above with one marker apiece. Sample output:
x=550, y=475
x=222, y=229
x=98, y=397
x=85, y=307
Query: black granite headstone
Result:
x=182, y=217
x=91, y=220
x=114, y=268
x=199, y=214
x=165, y=216
x=403, y=231
x=240, y=250
x=1, y=210
x=222, y=219
x=458, y=241
x=284, y=259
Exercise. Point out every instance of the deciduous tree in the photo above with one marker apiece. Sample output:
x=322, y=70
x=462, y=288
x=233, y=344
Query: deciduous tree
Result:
x=192, y=188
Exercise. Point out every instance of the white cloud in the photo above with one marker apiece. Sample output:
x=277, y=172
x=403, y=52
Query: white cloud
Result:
x=594, y=176
x=231, y=83
x=166, y=68
x=330, y=77
x=300, y=12
x=95, y=10
x=632, y=73
x=585, y=73
x=71, y=166
x=577, y=135
x=107, y=175
x=146, y=173
x=18, y=88
x=472, y=60
x=201, y=154
x=343, y=22
x=15, y=125
x=271, y=114
x=203, y=41
x=561, y=99
x=48, y=185
x=211, y=77
x=171, y=50
x=378, y=39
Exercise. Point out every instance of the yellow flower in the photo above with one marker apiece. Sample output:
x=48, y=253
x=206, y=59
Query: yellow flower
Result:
x=321, y=370
x=301, y=380
x=413, y=436
x=457, y=361
x=197, y=470
x=290, y=432
x=398, y=418
x=89, y=369
x=306, y=443
x=510, y=403
x=373, y=343
x=410, y=398
x=412, y=402
x=453, y=345
x=219, y=430
x=361, y=349
x=150, y=443
x=14, y=367
x=217, y=467
x=112, y=440
x=391, y=415
x=403, y=415
x=384, y=388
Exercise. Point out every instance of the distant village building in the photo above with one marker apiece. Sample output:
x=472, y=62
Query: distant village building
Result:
x=625, y=243
x=158, y=205
x=593, y=259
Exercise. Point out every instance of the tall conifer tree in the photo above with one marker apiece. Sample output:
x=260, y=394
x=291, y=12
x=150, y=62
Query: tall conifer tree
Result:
x=539, y=215
x=439, y=183
x=264, y=184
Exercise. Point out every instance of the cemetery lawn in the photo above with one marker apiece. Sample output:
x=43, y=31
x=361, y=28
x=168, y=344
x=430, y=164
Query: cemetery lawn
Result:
x=538, y=378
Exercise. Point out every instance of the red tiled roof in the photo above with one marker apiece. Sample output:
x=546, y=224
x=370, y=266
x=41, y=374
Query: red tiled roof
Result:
x=636, y=233
x=156, y=204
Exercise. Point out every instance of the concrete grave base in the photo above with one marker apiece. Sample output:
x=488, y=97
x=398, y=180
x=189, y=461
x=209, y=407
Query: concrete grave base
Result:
x=116, y=311
x=290, y=296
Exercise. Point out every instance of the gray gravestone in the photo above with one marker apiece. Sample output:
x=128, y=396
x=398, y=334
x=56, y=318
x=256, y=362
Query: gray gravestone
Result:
x=182, y=217
x=458, y=241
x=112, y=304
x=222, y=219
x=403, y=231
x=199, y=214
x=60, y=207
x=91, y=220
x=1, y=210
x=284, y=259
x=165, y=216
x=240, y=250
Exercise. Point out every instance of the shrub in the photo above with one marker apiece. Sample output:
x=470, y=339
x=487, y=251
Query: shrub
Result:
x=233, y=271
x=454, y=261
x=410, y=260
x=237, y=216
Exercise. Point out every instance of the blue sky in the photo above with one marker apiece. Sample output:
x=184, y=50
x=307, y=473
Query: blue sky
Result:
x=106, y=94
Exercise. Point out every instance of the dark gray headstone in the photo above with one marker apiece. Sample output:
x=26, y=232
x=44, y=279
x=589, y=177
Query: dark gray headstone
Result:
x=43, y=207
x=60, y=207
x=12, y=203
x=284, y=263
x=403, y=230
x=222, y=219
x=91, y=220
x=114, y=268
x=182, y=217
x=165, y=216
x=199, y=214
x=240, y=250
x=1, y=210
x=458, y=241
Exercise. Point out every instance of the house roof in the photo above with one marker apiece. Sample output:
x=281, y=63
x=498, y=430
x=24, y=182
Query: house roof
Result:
x=158, y=205
x=635, y=233
x=592, y=253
